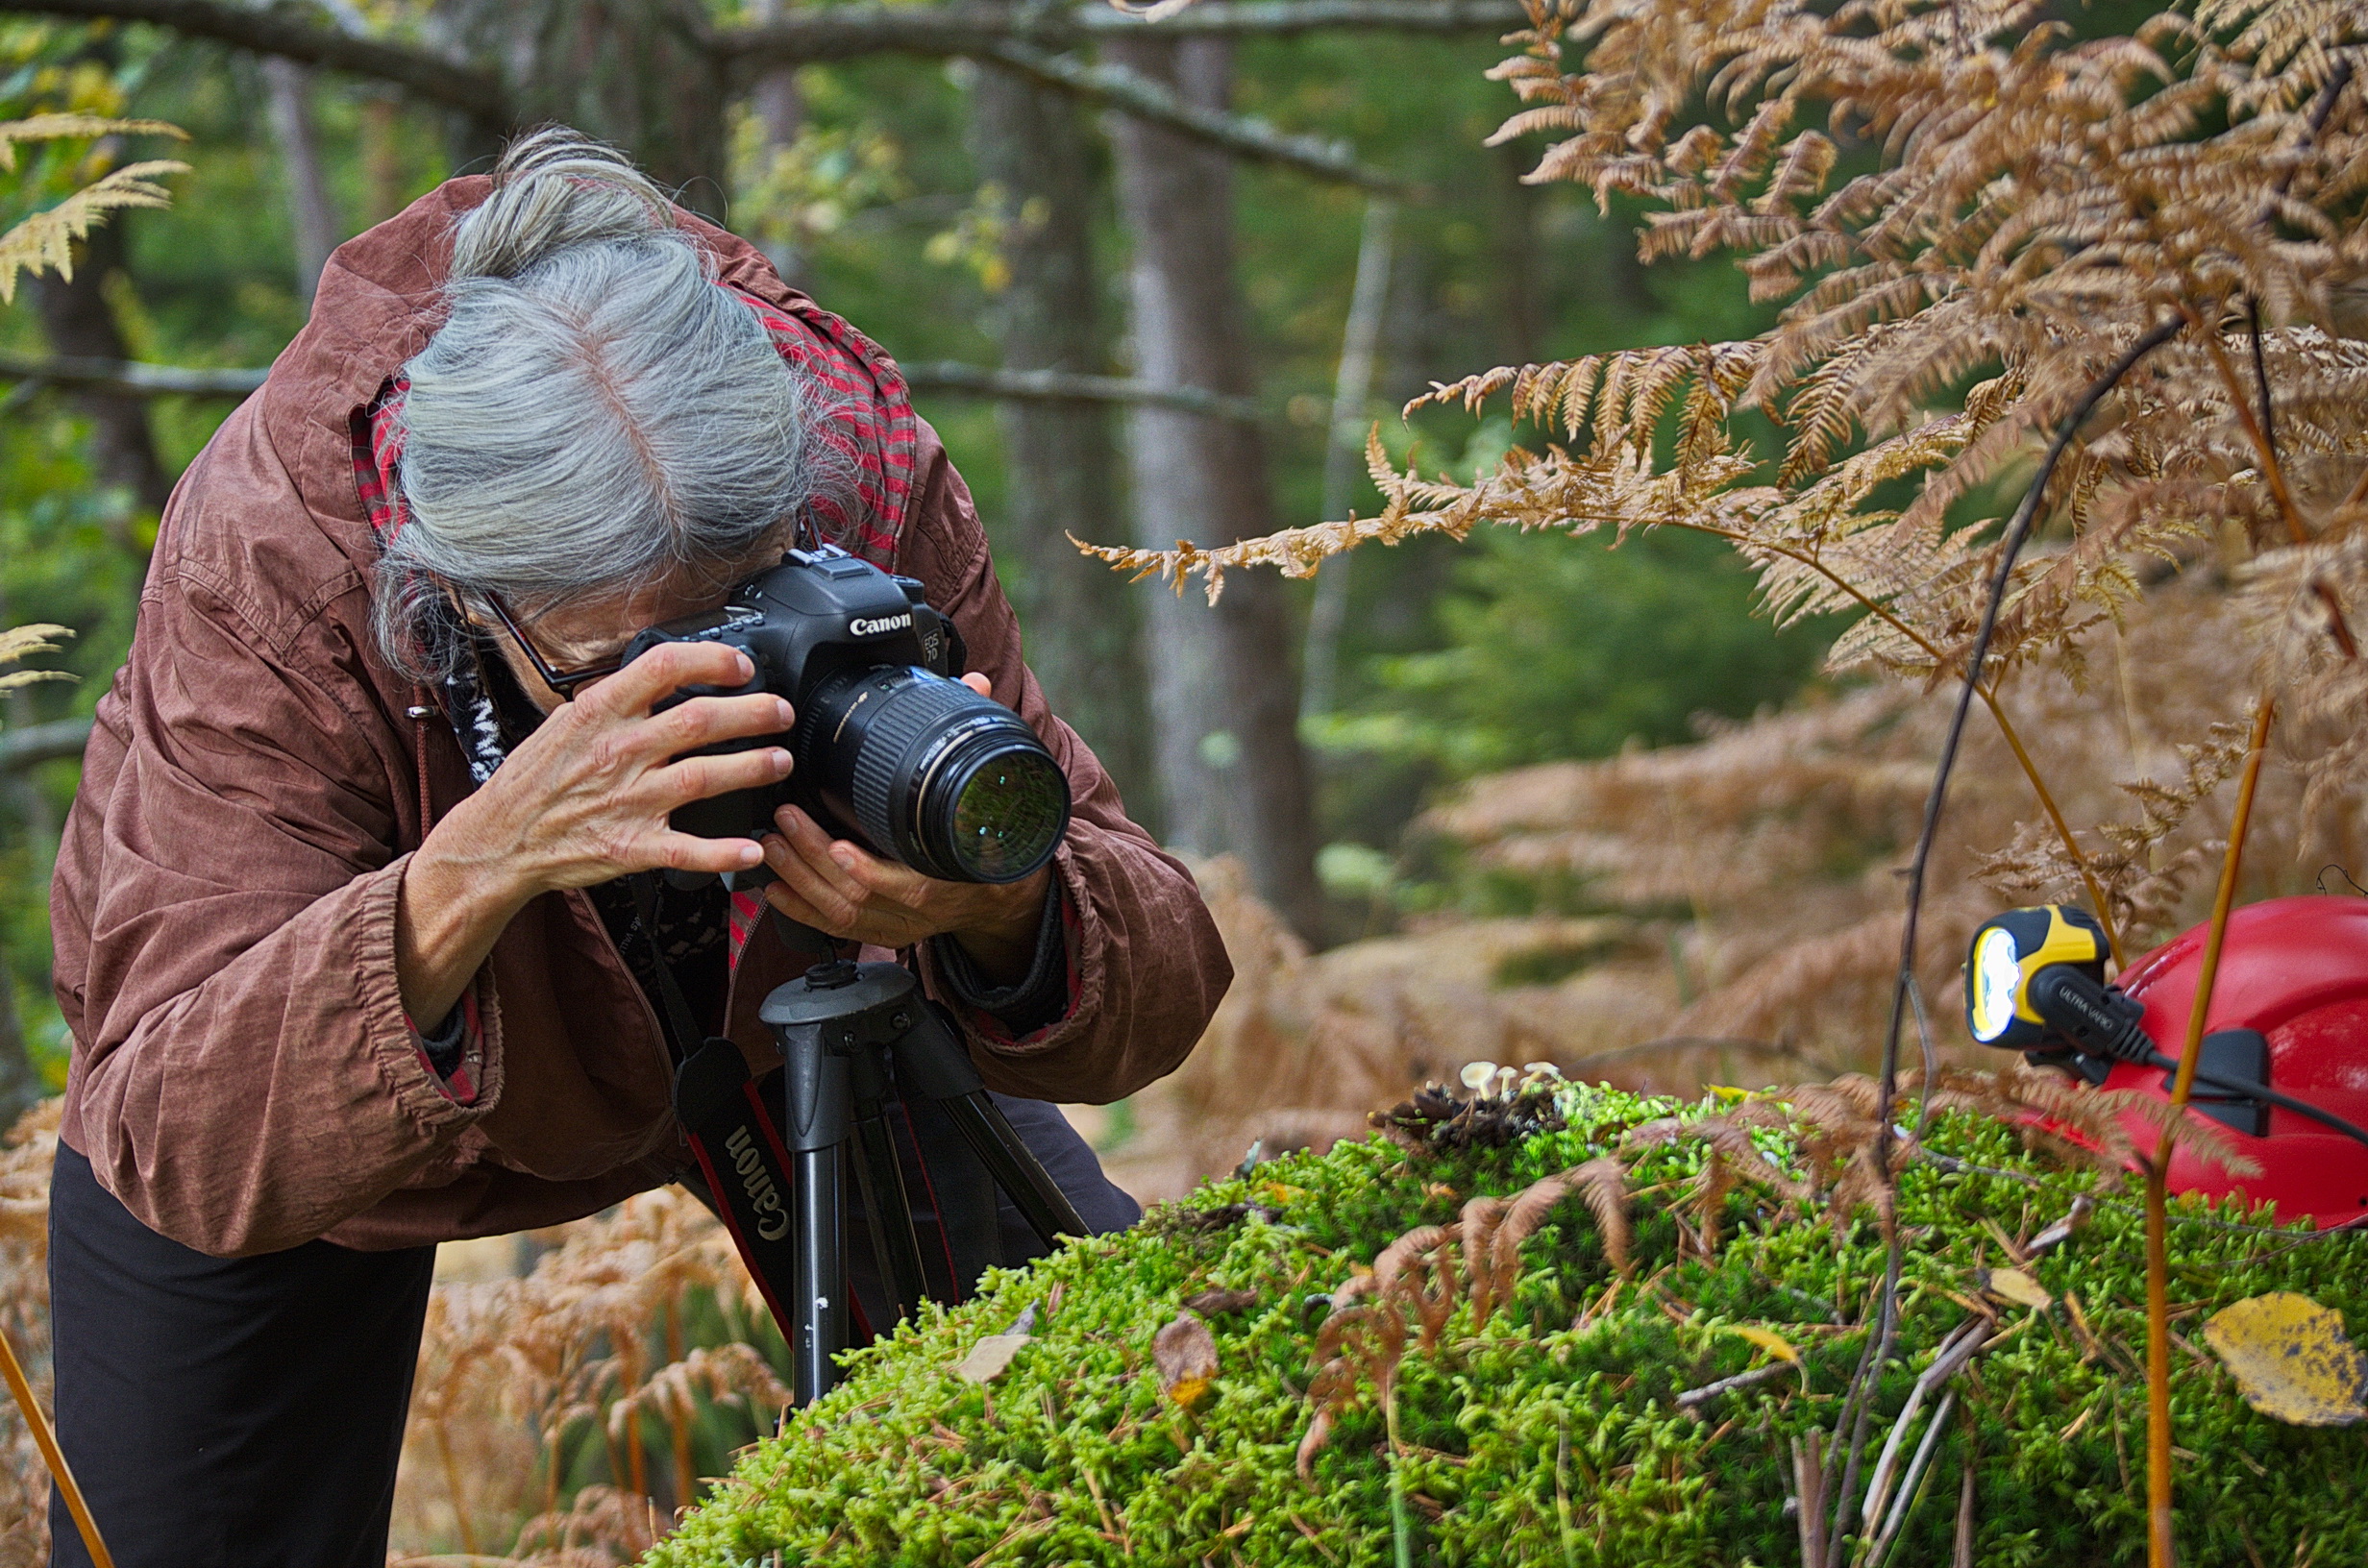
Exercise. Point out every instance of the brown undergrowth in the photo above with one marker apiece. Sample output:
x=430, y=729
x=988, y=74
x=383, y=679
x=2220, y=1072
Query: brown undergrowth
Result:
x=558, y=1419
x=1745, y=894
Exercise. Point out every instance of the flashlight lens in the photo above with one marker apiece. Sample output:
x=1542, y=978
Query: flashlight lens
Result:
x=1997, y=974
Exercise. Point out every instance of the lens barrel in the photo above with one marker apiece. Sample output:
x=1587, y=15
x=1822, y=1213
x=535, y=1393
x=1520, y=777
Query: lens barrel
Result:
x=954, y=785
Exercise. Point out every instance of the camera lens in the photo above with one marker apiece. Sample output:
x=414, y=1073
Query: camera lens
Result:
x=951, y=783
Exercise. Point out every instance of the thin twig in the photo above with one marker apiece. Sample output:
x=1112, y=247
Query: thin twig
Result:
x=1858, y=1404
x=45, y=1439
x=1808, y=1482
x=1961, y=1347
x=1692, y=1399
x=1963, y=1555
x=1931, y=1057
x=2158, y=1536
x=2260, y=376
x=1910, y=1485
x=2266, y=457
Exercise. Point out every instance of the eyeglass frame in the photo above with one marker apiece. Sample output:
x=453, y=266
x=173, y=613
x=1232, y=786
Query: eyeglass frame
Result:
x=564, y=682
x=807, y=535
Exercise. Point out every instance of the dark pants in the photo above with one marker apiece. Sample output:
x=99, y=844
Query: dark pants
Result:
x=248, y=1413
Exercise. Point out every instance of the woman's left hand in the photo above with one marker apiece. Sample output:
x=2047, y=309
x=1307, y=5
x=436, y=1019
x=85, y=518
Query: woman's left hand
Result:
x=844, y=890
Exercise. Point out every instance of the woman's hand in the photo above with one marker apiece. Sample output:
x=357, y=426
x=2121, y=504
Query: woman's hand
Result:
x=844, y=890
x=584, y=799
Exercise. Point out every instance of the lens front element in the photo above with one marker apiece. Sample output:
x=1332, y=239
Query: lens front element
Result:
x=951, y=783
x=1008, y=815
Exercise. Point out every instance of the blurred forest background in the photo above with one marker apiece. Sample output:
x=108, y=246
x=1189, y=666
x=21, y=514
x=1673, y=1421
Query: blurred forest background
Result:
x=973, y=219
x=1511, y=796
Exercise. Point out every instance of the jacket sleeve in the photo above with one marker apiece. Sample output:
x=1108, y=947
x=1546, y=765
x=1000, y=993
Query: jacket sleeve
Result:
x=1146, y=968
x=248, y=1077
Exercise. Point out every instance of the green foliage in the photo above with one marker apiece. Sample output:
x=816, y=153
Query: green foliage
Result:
x=1550, y=1433
x=1562, y=647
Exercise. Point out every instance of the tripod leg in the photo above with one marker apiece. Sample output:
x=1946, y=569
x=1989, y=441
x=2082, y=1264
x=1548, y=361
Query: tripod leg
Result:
x=1045, y=1207
x=888, y=1207
x=815, y=1090
x=819, y=1328
x=930, y=1058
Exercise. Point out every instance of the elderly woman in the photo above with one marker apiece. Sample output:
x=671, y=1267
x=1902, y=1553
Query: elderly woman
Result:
x=358, y=929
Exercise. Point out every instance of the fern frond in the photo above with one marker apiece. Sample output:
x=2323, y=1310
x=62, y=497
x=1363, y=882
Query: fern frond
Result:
x=14, y=134
x=44, y=241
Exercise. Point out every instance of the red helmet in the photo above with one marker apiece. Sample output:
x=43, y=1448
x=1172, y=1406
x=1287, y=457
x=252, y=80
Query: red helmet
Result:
x=2296, y=969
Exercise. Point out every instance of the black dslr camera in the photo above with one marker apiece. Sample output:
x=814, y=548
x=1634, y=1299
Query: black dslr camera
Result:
x=891, y=750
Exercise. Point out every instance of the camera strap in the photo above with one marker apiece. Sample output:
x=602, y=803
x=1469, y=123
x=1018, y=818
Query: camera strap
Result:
x=724, y=1119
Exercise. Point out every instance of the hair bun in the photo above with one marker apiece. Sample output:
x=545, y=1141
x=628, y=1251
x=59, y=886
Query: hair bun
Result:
x=552, y=190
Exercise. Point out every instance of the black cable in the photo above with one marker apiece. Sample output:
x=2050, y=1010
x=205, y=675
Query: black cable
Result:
x=2262, y=1092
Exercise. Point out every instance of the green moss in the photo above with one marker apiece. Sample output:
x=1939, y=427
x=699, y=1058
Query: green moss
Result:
x=1550, y=1434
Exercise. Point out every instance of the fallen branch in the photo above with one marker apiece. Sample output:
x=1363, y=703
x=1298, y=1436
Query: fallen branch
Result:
x=1244, y=135
x=1959, y=1349
x=1068, y=387
x=846, y=32
x=38, y=744
x=127, y=377
x=279, y=31
x=1692, y=1400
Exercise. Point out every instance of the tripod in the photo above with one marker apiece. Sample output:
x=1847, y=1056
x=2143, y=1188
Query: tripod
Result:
x=851, y=1035
x=843, y=1030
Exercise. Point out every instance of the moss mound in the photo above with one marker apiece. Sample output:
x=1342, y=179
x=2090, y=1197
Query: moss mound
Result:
x=1551, y=1432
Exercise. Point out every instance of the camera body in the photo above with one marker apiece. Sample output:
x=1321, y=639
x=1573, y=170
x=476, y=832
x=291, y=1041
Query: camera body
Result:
x=891, y=750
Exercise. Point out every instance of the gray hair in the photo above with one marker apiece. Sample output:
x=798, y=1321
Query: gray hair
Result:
x=595, y=415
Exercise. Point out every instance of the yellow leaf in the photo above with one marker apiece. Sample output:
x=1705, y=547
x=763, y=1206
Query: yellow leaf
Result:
x=2015, y=1286
x=1767, y=1340
x=2291, y=1360
x=1189, y=1392
x=1277, y=1194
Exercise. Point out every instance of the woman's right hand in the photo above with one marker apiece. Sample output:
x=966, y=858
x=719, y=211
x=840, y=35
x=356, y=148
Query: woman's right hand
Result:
x=584, y=799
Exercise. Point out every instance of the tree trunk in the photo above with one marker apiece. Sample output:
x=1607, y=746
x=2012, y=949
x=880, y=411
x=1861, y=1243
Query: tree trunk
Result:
x=631, y=72
x=20, y=1085
x=1081, y=620
x=1224, y=692
x=312, y=217
x=381, y=155
x=1344, y=456
x=81, y=323
x=779, y=108
x=1520, y=309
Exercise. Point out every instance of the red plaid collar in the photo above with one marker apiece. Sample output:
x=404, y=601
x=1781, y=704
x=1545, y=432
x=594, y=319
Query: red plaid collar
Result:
x=866, y=420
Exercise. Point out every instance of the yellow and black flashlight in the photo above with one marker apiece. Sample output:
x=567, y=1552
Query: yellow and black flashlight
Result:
x=2013, y=949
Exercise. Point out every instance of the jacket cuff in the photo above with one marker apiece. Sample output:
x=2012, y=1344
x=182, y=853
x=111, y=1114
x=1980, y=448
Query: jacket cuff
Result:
x=1083, y=938
x=440, y=1102
x=1041, y=999
x=455, y=1050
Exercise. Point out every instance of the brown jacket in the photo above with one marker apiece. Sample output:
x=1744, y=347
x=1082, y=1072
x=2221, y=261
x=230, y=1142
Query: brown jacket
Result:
x=243, y=1076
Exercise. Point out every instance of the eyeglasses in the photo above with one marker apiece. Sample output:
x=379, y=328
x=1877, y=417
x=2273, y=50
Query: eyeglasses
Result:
x=565, y=682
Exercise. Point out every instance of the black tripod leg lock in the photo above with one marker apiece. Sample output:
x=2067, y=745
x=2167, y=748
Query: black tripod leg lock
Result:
x=733, y=1140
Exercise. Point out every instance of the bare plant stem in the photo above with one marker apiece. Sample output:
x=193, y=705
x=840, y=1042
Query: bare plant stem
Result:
x=46, y=1440
x=2159, y=1538
x=1987, y=690
x=686, y=1469
x=637, y=1461
x=1857, y=1406
x=2273, y=474
x=1401, y=1525
x=452, y=1487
